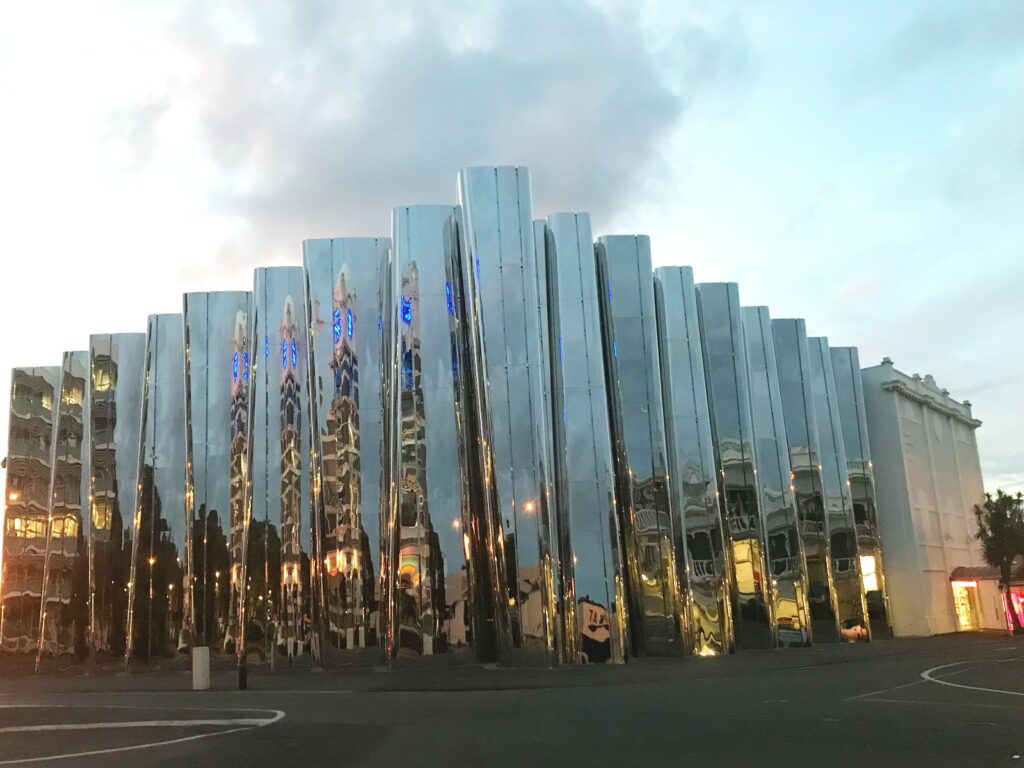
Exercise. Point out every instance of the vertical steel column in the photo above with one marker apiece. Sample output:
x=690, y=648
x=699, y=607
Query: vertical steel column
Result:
x=849, y=589
x=853, y=418
x=692, y=477
x=64, y=610
x=117, y=367
x=791, y=355
x=159, y=597
x=787, y=571
x=654, y=546
x=35, y=394
x=513, y=444
x=345, y=291
x=593, y=605
x=725, y=364
x=218, y=350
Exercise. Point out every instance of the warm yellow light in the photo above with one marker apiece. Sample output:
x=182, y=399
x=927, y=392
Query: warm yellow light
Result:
x=529, y=506
x=456, y=524
x=13, y=496
x=867, y=572
x=964, y=584
x=152, y=561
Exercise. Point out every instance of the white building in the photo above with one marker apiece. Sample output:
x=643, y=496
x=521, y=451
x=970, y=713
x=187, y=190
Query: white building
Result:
x=928, y=479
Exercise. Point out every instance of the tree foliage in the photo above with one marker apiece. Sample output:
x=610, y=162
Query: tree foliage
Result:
x=1001, y=533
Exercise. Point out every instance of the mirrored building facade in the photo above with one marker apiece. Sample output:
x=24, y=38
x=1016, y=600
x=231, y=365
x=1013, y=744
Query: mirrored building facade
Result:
x=485, y=438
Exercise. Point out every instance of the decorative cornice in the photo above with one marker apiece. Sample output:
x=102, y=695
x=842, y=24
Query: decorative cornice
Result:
x=900, y=388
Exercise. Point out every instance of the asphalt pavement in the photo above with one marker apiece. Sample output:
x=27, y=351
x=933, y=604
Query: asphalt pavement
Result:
x=947, y=701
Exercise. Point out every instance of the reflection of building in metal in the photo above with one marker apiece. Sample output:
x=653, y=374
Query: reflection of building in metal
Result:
x=791, y=353
x=692, y=475
x=654, y=544
x=217, y=374
x=924, y=458
x=159, y=611
x=437, y=601
x=115, y=410
x=787, y=584
x=593, y=601
x=426, y=507
x=343, y=285
x=853, y=420
x=849, y=590
x=512, y=450
x=728, y=383
x=65, y=603
x=34, y=398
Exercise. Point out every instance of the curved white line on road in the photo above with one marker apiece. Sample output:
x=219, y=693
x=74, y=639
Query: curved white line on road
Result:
x=927, y=675
x=259, y=723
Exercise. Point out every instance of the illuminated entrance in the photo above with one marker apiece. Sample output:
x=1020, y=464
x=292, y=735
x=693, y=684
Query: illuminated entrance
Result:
x=965, y=602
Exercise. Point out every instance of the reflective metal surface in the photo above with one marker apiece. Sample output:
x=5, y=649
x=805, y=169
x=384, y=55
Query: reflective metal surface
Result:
x=725, y=366
x=64, y=613
x=512, y=444
x=159, y=608
x=217, y=379
x=692, y=475
x=791, y=356
x=344, y=285
x=116, y=366
x=853, y=418
x=35, y=394
x=276, y=615
x=593, y=600
x=656, y=559
x=787, y=572
x=850, y=604
x=443, y=598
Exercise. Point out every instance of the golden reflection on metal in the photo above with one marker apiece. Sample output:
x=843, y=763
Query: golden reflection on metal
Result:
x=64, y=610
x=725, y=366
x=116, y=363
x=850, y=604
x=693, y=478
x=343, y=294
x=33, y=408
x=787, y=572
x=654, y=542
x=853, y=419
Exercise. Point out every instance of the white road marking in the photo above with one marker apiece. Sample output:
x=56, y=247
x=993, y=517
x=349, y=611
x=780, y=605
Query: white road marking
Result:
x=928, y=676
x=242, y=724
x=884, y=690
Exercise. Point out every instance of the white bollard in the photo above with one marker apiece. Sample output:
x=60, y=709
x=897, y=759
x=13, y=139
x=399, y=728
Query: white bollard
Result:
x=201, y=668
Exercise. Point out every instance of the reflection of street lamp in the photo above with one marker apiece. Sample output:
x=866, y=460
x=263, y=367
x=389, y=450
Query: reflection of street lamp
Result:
x=529, y=507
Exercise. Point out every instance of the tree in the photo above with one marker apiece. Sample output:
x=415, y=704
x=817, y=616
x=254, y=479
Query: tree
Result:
x=1001, y=533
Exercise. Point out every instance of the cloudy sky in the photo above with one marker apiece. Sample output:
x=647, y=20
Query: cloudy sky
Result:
x=862, y=166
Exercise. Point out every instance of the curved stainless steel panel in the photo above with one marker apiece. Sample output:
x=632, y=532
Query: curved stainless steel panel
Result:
x=217, y=373
x=850, y=604
x=35, y=393
x=654, y=546
x=593, y=599
x=787, y=571
x=439, y=566
x=513, y=451
x=791, y=356
x=344, y=281
x=725, y=364
x=692, y=476
x=853, y=418
x=64, y=615
x=158, y=605
x=116, y=363
x=277, y=608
